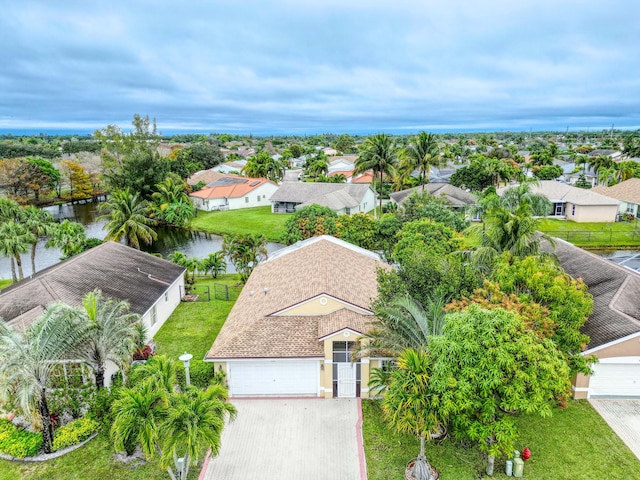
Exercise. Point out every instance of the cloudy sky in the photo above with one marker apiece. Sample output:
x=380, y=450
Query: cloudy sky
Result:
x=307, y=66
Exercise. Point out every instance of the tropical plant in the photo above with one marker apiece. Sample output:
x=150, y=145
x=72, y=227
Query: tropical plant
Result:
x=245, y=251
x=215, y=264
x=41, y=224
x=514, y=196
x=377, y=153
x=28, y=360
x=408, y=405
x=109, y=333
x=128, y=217
x=69, y=237
x=15, y=240
x=421, y=154
x=309, y=221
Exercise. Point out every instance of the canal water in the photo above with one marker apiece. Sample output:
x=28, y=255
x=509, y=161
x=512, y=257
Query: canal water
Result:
x=196, y=244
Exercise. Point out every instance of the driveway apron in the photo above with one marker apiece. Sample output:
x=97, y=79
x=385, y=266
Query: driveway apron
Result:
x=623, y=416
x=289, y=439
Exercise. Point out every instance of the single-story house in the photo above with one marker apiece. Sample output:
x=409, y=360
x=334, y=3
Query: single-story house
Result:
x=346, y=198
x=628, y=192
x=615, y=155
x=152, y=286
x=345, y=162
x=454, y=196
x=231, y=167
x=613, y=327
x=232, y=192
x=366, y=177
x=295, y=325
x=571, y=173
x=348, y=174
x=573, y=203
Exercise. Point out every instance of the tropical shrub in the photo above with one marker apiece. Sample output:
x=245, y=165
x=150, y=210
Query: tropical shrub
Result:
x=75, y=432
x=17, y=442
x=202, y=374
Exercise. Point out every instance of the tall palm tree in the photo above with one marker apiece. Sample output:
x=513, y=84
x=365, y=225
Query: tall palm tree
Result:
x=128, y=217
x=69, y=237
x=109, y=333
x=15, y=240
x=422, y=153
x=215, y=264
x=245, y=252
x=40, y=223
x=9, y=210
x=27, y=362
x=194, y=422
x=408, y=408
x=171, y=190
x=377, y=153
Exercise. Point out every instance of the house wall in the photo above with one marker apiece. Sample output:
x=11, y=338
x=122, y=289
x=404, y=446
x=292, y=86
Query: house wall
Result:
x=326, y=375
x=258, y=197
x=367, y=203
x=627, y=348
x=322, y=305
x=626, y=207
x=208, y=204
x=591, y=213
x=164, y=307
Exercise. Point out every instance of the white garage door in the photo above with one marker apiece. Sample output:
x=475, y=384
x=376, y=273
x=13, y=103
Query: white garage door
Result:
x=274, y=377
x=611, y=379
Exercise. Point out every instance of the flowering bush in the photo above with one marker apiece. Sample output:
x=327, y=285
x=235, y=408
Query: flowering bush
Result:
x=74, y=432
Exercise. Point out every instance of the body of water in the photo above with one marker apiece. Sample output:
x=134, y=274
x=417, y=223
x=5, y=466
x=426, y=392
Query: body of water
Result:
x=169, y=240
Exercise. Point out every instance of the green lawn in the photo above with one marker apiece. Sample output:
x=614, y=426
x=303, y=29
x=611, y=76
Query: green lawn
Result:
x=192, y=327
x=592, y=234
x=245, y=220
x=5, y=283
x=573, y=444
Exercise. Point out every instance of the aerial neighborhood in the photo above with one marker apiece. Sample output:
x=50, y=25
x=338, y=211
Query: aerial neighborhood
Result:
x=454, y=295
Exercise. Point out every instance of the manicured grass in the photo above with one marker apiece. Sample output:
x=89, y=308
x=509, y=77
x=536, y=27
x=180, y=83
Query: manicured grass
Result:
x=245, y=220
x=93, y=461
x=574, y=443
x=593, y=234
x=5, y=283
x=193, y=326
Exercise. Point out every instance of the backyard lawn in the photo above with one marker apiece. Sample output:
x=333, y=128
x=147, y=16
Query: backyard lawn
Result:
x=5, y=283
x=572, y=444
x=592, y=234
x=192, y=327
x=245, y=220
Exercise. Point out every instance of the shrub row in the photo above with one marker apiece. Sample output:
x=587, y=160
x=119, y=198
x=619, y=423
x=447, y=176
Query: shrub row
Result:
x=202, y=374
x=17, y=442
x=74, y=432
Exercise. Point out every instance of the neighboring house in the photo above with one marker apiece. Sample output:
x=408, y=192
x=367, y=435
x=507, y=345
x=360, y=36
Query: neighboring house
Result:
x=206, y=176
x=614, y=326
x=152, y=286
x=571, y=173
x=232, y=192
x=366, y=177
x=297, y=320
x=628, y=192
x=573, y=203
x=346, y=198
x=345, y=162
x=230, y=167
x=456, y=197
x=348, y=174
x=615, y=155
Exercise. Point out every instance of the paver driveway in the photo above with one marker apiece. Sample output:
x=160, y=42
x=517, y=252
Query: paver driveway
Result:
x=623, y=416
x=290, y=439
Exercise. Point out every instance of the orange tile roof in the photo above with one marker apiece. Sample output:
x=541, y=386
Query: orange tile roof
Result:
x=232, y=190
x=346, y=173
x=366, y=177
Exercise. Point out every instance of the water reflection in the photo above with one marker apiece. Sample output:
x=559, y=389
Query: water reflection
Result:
x=196, y=244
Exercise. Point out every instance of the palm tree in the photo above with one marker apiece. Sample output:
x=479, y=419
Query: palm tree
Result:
x=514, y=196
x=171, y=190
x=194, y=421
x=377, y=153
x=318, y=168
x=137, y=414
x=9, y=210
x=422, y=153
x=407, y=405
x=245, y=252
x=215, y=264
x=15, y=240
x=109, y=333
x=404, y=323
x=27, y=362
x=598, y=162
x=69, y=237
x=129, y=218
x=40, y=223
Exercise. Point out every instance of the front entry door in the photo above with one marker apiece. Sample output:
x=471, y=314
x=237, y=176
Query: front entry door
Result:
x=346, y=380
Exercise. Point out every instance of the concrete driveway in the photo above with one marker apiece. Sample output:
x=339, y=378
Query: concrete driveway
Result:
x=276, y=439
x=623, y=416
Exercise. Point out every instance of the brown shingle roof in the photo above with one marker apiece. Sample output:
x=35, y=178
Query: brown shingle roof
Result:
x=121, y=272
x=295, y=274
x=206, y=176
x=627, y=191
x=615, y=290
x=455, y=196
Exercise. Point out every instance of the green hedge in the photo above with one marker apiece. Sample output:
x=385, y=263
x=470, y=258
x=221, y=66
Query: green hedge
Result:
x=17, y=442
x=74, y=432
x=202, y=374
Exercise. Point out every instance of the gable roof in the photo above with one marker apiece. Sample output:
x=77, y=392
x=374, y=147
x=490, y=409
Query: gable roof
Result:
x=627, y=191
x=319, y=265
x=206, y=176
x=230, y=186
x=366, y=177
x=561, y=192
x=615, y=290
x=121, y=272
x=455, y=196
x=333, y=195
